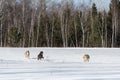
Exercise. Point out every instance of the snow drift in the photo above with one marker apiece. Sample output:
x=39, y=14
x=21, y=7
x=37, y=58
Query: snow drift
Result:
x=60, y=64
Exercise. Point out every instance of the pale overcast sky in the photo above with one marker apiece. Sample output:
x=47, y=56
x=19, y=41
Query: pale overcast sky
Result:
x=101, y=4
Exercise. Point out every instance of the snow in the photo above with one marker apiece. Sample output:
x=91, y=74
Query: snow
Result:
x=60, y=64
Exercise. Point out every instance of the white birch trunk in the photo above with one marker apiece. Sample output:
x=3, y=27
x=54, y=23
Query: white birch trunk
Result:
x=62, y=30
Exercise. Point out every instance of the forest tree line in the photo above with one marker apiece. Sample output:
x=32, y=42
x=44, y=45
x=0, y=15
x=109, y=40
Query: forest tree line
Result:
x=24, y=23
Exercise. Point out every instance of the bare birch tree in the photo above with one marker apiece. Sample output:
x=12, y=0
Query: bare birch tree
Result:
x=1, y=22
x=115, y=22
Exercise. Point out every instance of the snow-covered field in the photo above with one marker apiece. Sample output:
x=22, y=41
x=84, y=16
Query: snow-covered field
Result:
x=60, y=64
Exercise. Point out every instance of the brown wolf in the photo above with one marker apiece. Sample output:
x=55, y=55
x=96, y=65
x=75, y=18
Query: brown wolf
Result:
x=86, y=58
